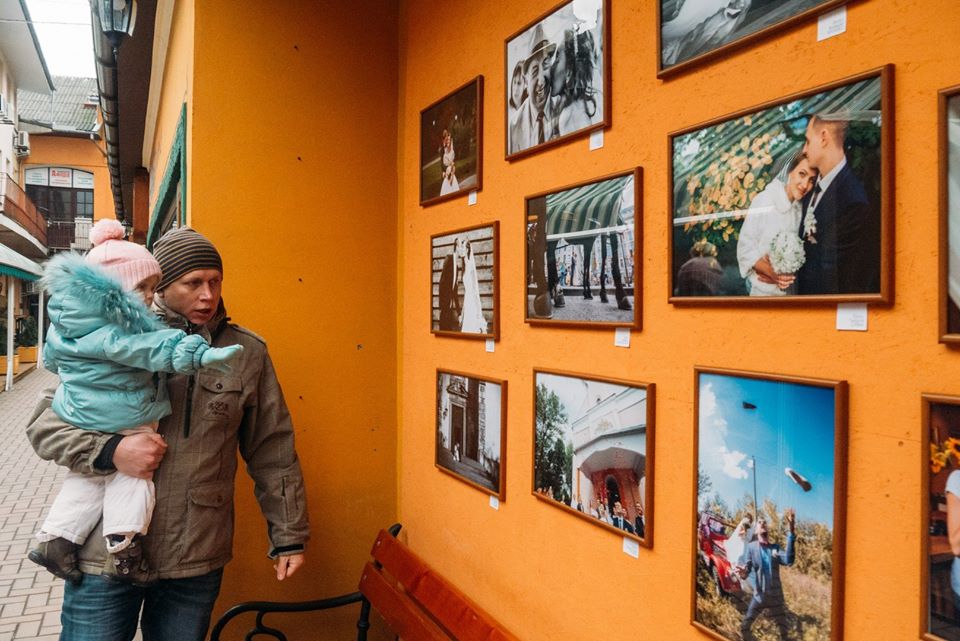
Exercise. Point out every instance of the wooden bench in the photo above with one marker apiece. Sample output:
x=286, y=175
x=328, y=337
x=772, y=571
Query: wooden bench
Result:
x=417, y=603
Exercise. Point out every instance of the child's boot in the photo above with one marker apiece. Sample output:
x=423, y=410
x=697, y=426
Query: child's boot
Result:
x=59, y=556
x=127, y=565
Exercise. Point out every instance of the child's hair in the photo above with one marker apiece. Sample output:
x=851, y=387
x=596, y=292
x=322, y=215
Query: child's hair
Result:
x=128, y=262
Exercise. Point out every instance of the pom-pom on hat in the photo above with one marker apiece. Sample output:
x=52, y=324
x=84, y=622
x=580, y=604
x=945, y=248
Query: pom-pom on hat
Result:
x=183, y=250
x=129, y=262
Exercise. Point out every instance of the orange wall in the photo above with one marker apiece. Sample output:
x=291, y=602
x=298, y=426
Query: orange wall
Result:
x=292, y=173
x=177, y=88
x=77, y=153
x=548, y=575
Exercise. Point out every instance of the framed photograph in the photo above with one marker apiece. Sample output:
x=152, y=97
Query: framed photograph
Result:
x=788, y=202
x=692, y=31
x=940, y=513
x=583, y=253
x=593, y=450
x=770, y=473
x=464, y=271
x=558, y=77
x=472, y=430
x=451, y=144
x=949, y=135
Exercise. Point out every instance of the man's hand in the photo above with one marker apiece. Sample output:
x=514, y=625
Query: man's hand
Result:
x=287, y=565
x=139, y=454
x=790, y=515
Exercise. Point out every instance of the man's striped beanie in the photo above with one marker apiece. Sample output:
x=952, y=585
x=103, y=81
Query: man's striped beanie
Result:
x=184, y=250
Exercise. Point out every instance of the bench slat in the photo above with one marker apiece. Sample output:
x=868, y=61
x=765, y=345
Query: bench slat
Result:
x=453, y=610
x=402, y=616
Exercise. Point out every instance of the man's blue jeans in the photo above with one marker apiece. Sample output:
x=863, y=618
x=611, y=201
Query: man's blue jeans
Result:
x=173, y=609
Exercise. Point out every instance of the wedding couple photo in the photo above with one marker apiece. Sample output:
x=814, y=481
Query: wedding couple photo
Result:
x=785, y=201
x=463, y=267
x=451, y=151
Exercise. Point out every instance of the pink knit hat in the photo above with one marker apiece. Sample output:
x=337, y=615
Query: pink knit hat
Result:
x=129, y=262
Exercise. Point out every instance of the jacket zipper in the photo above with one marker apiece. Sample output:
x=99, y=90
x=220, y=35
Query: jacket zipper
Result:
x=188, y=407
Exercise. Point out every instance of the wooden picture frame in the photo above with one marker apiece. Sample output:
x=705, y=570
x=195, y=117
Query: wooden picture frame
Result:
x=610, y=445
x=466, y=446
x=451, y=144
x=678, y=49
x=536, y=60
x=792, y=433
x=602, y=211
x=948, y=138
x=465, y=282
x=741, y=184
x=941, y=437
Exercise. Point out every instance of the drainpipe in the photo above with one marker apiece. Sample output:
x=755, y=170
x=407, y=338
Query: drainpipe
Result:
x=105, y=56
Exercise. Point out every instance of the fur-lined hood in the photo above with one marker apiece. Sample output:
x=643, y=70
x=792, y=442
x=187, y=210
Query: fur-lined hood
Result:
x=84, y=298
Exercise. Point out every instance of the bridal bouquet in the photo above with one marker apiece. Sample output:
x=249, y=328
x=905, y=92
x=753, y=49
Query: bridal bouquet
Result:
x=786, y=253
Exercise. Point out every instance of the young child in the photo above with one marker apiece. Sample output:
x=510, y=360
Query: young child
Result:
x=106, y=345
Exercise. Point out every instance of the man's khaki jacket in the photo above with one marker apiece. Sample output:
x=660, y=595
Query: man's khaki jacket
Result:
x=192, y=528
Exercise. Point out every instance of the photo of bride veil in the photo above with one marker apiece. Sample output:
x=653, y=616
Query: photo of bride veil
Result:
x=473, y=321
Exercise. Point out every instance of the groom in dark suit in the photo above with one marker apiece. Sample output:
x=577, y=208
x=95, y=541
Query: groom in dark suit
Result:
x=840, y=228
x=451, y=305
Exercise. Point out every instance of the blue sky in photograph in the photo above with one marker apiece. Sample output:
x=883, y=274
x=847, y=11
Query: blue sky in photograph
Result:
x=792, y=426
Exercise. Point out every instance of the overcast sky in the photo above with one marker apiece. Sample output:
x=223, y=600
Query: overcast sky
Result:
x=63, y=27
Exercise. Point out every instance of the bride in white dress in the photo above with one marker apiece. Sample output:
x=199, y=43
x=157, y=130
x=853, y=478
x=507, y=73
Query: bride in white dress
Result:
x=449, y=183
x=473, y=321
x=778, y=208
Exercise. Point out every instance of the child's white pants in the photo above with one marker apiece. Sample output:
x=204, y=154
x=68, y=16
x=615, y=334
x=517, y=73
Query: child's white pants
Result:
x=126, y=503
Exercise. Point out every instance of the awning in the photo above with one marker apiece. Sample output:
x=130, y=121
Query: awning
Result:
x=588, y=209
x=13, y=264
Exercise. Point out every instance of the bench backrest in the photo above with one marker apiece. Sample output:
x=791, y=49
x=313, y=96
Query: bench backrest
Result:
x=417, y=603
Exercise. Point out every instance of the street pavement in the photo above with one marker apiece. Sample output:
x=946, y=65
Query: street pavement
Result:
x=30, y=597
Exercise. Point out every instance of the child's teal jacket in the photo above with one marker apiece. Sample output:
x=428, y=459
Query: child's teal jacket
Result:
x=106, y=345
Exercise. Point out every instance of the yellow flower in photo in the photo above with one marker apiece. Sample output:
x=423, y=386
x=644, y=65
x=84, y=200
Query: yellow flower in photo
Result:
x=748, y=180
x=952, y=447
x=748, y=120
x=745, y=143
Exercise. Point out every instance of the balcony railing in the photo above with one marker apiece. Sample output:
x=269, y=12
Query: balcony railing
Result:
x=18, y=206
x=69, y=234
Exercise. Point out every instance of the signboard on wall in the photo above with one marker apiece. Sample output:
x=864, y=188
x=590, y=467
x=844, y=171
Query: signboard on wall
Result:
x=37, y=176
x=82, y=180
x=60, y=177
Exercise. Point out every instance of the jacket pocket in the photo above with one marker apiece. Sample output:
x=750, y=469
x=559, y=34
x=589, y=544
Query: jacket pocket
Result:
x=221, y=398
x=208, y=531
x=293, y=499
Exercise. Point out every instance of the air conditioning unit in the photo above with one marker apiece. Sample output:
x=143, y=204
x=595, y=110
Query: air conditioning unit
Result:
x=21, y=143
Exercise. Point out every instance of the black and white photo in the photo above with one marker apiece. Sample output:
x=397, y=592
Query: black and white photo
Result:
x=471, y=430
x=557, y=76
x=464, y=272
x=693, y=30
